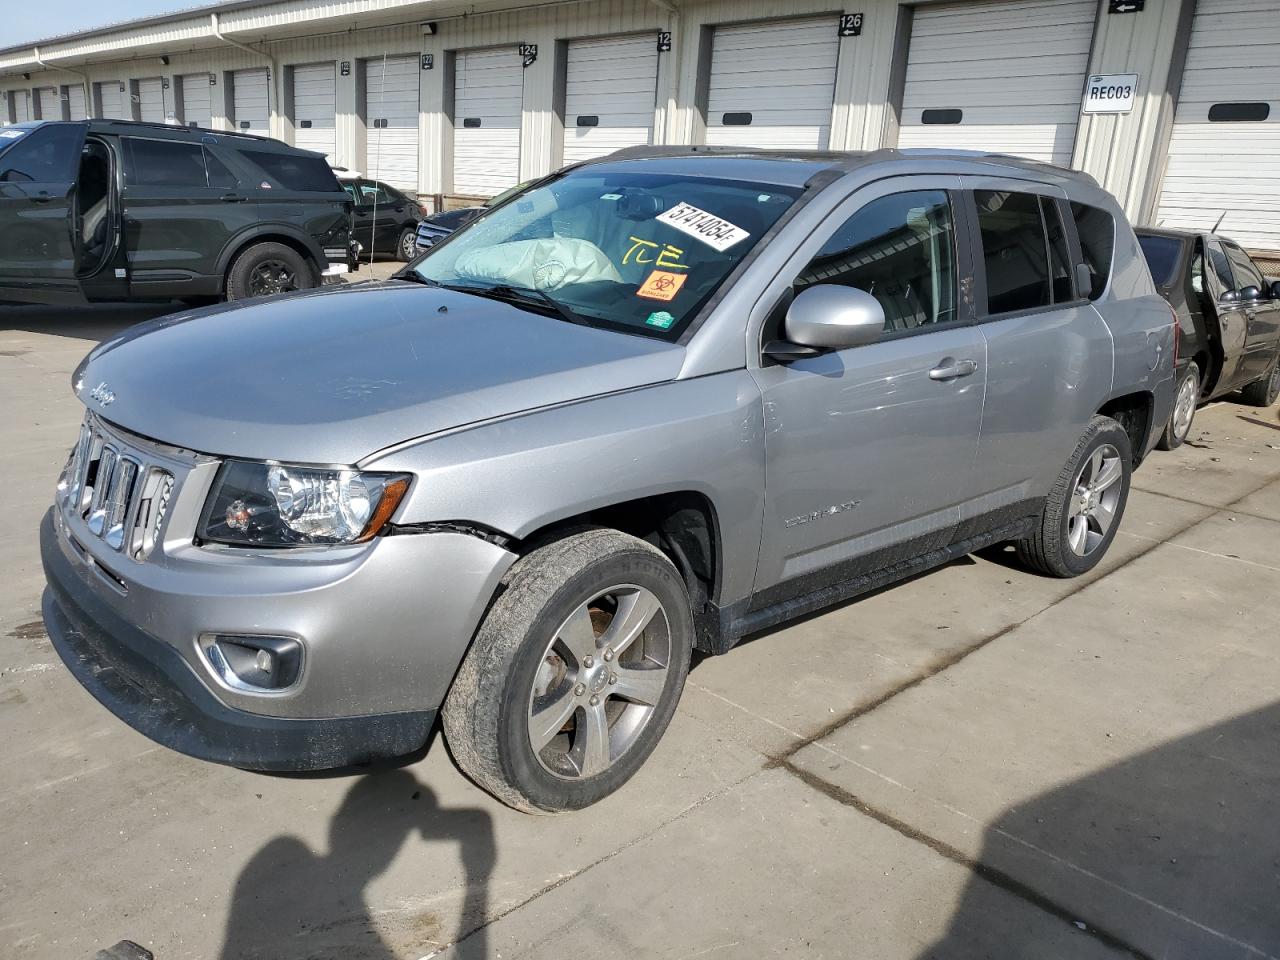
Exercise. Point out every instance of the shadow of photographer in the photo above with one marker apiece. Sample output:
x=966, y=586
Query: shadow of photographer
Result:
x=291, y=903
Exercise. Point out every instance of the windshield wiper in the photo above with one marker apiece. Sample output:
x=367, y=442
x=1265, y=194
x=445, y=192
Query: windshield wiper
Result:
x=519, y=296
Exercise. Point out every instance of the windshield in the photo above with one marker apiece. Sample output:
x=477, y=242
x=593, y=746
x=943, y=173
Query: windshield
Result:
x=1162, y=257
x=630, y=251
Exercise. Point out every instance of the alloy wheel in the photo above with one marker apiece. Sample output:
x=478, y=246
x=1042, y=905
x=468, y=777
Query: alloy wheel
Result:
x=271, y=276
x=1095, y=497
x=601, y=677
x=1184, y=407
x=408, y=247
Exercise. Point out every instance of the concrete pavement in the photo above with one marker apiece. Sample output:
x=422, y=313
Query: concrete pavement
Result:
x=980, y=762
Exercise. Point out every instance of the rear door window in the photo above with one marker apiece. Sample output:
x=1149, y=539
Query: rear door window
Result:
x=1097, y=231
x=1015, y=251
x=1162, y=257
x=1219, y=266
x=164, y=163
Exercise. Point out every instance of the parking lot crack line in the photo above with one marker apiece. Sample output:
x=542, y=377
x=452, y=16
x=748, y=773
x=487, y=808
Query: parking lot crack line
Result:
x=570, y=877
x=991, y=874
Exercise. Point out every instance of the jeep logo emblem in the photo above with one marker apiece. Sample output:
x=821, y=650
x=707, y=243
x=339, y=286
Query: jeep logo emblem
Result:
x=103, y=394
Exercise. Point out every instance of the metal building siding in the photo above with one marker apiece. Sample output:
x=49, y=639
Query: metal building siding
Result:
x=151, y=100
x=49, y=102
x=113, y=102
x=1015, y=70
x=197, y=103
x=76, y=107
x=251, y=100
x=488, y=96
x=315, y=108
x=1230, y=168
x=612, y=82
x=391, y=120
x=782, y=75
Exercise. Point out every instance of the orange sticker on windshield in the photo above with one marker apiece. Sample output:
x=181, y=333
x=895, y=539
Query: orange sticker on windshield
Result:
x=662, y=285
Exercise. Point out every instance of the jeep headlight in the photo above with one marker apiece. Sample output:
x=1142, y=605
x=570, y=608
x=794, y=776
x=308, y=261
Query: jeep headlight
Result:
x=281, y=505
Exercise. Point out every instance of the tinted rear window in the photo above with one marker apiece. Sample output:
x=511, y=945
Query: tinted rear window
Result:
x=311, y=174
x=165, y=163
x=1162, y=257
x=1014, y=250
x=1097, y=232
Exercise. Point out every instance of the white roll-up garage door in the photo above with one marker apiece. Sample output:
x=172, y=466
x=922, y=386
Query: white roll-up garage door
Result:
x=251, y=100
x=1224, y=155
x=772, y=84
x=314, y=108
x=21, y=106
x=610, y=90
x=197, y=104
x=488, y=98
x=391, y=120
x=50, y=104
x=151, y=100
x=76, y=103
x=112, y=99
x=1001, y=77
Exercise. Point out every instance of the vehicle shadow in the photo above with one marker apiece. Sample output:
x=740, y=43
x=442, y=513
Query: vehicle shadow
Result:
x=291, y=903
x=97, y=322
x=1173, y=853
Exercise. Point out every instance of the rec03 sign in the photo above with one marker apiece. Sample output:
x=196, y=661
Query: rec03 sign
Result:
x=1110, y=93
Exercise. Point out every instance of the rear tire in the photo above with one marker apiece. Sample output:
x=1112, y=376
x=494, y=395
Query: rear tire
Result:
x=1185, y=400
x=266, y=269
x=574, y=673
x=1083, y=510
x=1263, y=393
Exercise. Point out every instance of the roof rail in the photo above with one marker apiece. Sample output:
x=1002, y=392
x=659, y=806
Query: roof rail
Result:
x=180, y=128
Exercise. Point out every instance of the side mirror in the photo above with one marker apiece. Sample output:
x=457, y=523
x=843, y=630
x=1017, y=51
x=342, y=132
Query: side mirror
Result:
x=1250, y=292
x=1275, y=289
x=1229, y=296
x=833, y=317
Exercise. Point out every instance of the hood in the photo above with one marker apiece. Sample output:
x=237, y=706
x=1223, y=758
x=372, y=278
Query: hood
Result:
x=331, y=376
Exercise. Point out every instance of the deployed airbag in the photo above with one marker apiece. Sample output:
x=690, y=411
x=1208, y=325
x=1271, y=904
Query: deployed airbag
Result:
x=544, y=264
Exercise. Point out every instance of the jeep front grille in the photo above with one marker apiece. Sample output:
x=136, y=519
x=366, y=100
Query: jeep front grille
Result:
x=121, y=497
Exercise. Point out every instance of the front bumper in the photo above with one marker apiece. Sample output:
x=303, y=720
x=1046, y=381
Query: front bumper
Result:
x=383, y=633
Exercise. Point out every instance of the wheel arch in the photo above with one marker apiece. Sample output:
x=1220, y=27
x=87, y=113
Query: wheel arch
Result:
x=1133, y=411
x=304, y=246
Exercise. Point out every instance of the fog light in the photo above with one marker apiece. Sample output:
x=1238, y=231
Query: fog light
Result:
x=253, y=664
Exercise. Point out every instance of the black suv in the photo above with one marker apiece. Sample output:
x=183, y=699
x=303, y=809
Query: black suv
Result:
x=116, y=210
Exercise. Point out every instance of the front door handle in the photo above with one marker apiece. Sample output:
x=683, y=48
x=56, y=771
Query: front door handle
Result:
x=232, y=198
x=41, y=197
x=951, y=369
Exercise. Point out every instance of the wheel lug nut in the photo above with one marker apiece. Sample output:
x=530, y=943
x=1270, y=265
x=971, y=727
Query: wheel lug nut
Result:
x=580, y=689
x=608, y=654
x=613, y=678
x=589, y=662
x=594, y=701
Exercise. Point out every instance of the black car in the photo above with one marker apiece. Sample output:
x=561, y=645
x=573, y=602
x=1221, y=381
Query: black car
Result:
x=1229, y=321
x=384, y=220
x=435, y=227
x=103, y=210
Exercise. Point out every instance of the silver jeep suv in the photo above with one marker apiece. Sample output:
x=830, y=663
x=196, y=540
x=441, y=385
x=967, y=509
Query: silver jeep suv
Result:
x=651, y=404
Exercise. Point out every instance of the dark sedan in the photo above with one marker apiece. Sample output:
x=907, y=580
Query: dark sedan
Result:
x=383, y=219
x=437, y=226
x=1229, y=320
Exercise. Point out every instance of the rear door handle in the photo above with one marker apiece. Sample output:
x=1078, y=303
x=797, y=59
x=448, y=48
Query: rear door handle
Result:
x=232, y=198
x=41, y=197
x=951, y=369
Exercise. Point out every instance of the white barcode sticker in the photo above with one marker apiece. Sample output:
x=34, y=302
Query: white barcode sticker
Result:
x=714, y=231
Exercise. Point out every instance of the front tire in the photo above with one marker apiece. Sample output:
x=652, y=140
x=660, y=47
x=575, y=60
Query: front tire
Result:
x=1185, y=400
x=1263, y=393
x=265, y=269
x=574, y=673
x=1083, y=510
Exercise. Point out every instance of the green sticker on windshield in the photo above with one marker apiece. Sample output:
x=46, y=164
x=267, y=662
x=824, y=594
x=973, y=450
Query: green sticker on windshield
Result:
x=660, y=319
